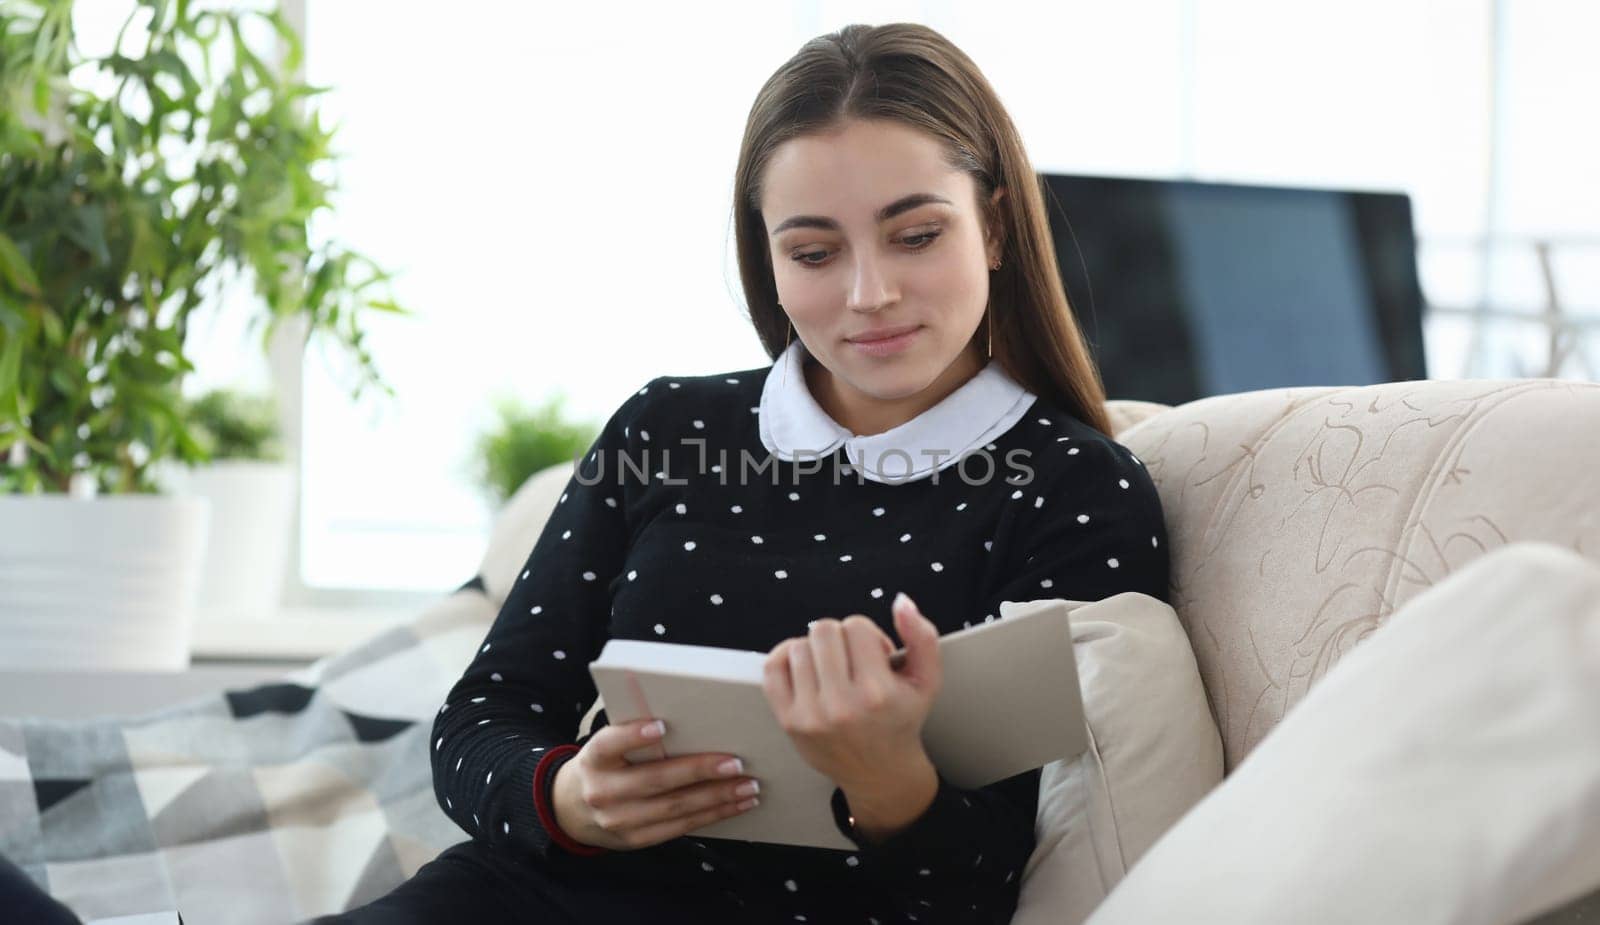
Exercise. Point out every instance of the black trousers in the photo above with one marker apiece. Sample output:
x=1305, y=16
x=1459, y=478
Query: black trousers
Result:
x=470, y=883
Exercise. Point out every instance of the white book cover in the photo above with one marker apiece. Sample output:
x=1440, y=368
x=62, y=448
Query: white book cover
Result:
x=1009, y=703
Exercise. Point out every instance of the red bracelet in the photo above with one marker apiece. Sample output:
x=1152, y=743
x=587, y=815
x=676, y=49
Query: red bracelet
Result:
x=547, y=815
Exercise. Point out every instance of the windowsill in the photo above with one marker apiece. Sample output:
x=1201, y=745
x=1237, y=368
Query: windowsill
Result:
x=297, y=634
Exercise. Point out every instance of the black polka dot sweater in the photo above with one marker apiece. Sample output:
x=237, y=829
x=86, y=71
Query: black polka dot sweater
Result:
x=668, y=530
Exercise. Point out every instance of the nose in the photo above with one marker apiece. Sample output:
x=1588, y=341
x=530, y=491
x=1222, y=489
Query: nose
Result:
x=870, y=287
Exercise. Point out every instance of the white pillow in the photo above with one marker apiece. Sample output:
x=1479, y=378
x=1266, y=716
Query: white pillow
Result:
x=1154, y=751
x=1447, y=770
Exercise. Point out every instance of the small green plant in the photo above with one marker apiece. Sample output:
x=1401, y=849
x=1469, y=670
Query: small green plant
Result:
x=127, y=203
x=524, y=440
x=229, y=424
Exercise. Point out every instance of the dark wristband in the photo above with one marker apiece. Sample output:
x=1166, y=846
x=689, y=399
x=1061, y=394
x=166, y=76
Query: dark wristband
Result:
x=544, y=776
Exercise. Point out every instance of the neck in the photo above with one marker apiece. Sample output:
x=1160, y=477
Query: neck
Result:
x=865, y=415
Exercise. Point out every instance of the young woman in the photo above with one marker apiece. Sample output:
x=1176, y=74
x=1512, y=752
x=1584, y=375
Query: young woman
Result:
x=931, y=426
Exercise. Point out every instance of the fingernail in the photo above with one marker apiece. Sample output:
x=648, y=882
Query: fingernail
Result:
x=655, y=730
x=730, y=767
x=901, y=598
x=748, y=789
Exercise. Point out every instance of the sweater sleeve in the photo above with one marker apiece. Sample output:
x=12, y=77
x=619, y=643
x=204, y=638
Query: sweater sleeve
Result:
x=528, y=686
x=1091, y=538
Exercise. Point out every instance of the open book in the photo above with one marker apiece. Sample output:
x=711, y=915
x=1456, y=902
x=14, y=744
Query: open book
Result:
x=1009, y=703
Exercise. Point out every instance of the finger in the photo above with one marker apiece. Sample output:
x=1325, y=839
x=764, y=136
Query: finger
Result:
x=609, y=747
x=683, y=825
x=637, y=813
x=831, y=659
x=776, y=682
x=869, y=649
x=803, y=673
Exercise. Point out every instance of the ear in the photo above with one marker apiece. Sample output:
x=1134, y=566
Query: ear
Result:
x=996, y=238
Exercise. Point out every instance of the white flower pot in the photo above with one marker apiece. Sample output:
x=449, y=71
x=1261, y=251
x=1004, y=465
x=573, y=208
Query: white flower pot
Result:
x=99, y=583
x=252, y=512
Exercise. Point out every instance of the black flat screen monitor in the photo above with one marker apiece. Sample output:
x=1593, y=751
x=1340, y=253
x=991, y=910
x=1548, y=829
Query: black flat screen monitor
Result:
x=1186, y=290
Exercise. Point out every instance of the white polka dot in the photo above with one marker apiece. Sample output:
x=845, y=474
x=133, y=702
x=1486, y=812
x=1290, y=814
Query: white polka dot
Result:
x=1062, y=439
x=962, y=506
x=560, y=654
x=1111, y=562
x=448, y=803
x=794, y=496
x=1122, y=482
x=458, y=763
x=717, y=468
x=737, y=509
x=525, y=573
x=754, y=409
x=731, y=381
x=537, y=609
x=486, y=646
x=844, y=558
x=988, y=618
x=563, y=498
x=660, y=630
x=937, y=566
x=990, y=447
x=699, y=425
x=877, y=512
x=475, y=819
x=1016, y=494
x=716, y=598
x=925, y=872
x=496, y=677
x=1153, y=541
x=672, y=385
x=662, y=474
x=877, y=592
x=624, y=431
x=536, y=707
x=781, y=573
x=589, y=576
x=489, y=778
x=444, y=708
x=482, y=721
x=688, y=546
x=632, y=574
x=566, y=534
x=1072, y=452
x=820, y=537
x=681, y=508
x=1038, y=502
x=988, y=545
x=479, y=699
x=852, y=860
x=1047, y=583
x=905, y=537
x=791, y=886
x=439, y=744
x=706, y=867
x=1083, y=518
x=506, y=827
x=611, y=502
x=644, y=434
x=757, y=540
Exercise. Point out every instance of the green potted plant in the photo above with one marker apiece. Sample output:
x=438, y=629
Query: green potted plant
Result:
x=122, y=212
x=250, y=489
x=522, y=440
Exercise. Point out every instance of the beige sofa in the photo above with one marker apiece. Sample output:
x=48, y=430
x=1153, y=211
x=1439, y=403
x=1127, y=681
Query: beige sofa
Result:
x=1301, y=519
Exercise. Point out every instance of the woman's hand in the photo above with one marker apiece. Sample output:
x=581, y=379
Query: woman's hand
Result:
x=602, y=800
x=852, y=717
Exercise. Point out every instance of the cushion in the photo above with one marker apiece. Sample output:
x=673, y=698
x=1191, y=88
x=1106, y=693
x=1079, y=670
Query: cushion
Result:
x=1446, y=770
x=1154, y=752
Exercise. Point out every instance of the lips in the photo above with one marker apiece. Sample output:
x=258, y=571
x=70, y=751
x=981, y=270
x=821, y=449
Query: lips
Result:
x=883, y=334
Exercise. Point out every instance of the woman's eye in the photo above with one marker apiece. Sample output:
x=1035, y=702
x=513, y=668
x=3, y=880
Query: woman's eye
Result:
x=915, y=242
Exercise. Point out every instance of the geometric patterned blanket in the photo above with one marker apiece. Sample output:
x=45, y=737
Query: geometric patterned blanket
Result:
x=263, y=806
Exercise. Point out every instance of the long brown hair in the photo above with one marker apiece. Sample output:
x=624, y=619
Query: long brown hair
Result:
x=911, y=74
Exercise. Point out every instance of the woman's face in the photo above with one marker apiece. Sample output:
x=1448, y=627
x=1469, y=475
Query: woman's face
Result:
x=870, y=230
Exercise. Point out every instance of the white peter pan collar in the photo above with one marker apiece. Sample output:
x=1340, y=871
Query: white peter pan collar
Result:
x=793, y=426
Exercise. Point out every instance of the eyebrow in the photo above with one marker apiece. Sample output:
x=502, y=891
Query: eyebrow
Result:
x=903, y=204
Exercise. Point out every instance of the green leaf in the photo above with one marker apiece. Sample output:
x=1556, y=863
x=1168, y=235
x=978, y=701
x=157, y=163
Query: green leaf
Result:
x=14, y=268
